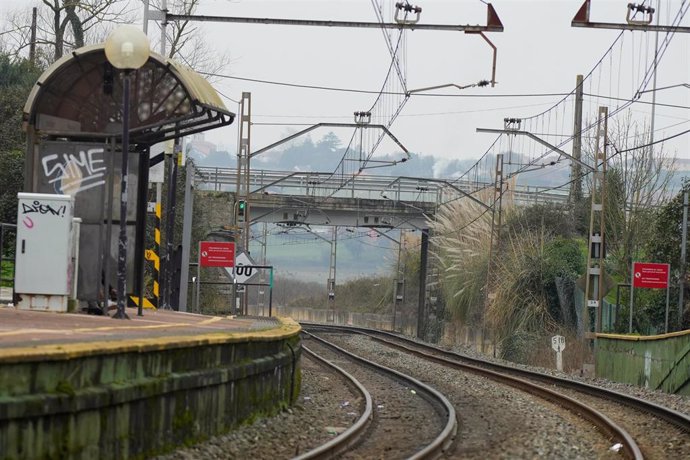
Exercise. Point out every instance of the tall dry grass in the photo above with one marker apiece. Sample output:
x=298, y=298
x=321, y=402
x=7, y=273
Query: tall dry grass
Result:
x=517, y=312
x=460, y=246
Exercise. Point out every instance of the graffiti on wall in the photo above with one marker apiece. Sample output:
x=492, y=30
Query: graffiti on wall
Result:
x=73, y=173
x=38, y=208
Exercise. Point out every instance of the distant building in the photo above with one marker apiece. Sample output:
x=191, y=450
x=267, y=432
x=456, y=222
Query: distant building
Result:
x=198, y=147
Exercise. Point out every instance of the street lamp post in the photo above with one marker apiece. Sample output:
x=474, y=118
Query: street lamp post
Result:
x=127, y=49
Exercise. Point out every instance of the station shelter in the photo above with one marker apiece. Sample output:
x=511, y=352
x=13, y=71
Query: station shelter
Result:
x=73, y=120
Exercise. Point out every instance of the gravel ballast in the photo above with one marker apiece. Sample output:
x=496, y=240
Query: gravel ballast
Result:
x=321, y=407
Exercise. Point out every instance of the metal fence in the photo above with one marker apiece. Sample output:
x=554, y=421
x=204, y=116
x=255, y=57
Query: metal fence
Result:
x=8, y=238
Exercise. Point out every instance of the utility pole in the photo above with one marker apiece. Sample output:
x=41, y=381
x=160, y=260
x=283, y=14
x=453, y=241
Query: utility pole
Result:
x=421, y=307
x=170, y=224
x=186, y=233
x=262, y=276
x=594, y=284
x=495, y=227
x=683, y=255
x=498, y=197
x=159, y=293
x=331, y=269
x=575, y=194
x=32, y=45
x=399, y=286
x=243, y=217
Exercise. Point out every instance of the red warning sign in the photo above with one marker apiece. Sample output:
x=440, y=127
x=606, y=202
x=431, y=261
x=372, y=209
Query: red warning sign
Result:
x=216, y=254
x=650, y=275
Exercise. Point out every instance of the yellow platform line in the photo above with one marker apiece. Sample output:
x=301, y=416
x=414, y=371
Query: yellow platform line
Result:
x=107, y=328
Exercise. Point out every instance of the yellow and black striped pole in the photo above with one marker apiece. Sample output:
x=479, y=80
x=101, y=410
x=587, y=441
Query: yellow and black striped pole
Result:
x=152, y=255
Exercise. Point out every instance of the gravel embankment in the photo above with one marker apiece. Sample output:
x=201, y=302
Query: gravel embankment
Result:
x=675, y=402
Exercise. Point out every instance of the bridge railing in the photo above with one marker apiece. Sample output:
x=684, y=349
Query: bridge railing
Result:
x=326, y=185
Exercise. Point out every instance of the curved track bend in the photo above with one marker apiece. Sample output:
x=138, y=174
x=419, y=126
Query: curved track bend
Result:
x=525, y=380
x=379, y=428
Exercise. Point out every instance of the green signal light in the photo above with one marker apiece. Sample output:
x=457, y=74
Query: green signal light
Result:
x=241, y=209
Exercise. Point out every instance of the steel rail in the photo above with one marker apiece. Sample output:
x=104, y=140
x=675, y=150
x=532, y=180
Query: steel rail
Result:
x=674, y=417
x=349, y=437
x=617, y=433
x=445, y=438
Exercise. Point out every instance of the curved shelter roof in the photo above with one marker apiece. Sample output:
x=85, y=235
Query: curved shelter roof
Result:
x=80, y=97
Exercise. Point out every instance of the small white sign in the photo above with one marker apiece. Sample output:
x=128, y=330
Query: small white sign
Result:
x=558, y=343
x=243, y=272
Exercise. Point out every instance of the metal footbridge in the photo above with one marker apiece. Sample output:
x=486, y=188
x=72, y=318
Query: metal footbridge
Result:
x=325, y=198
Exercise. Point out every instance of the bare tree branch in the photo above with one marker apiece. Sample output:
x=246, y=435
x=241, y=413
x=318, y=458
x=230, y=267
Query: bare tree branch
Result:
x=63, y=25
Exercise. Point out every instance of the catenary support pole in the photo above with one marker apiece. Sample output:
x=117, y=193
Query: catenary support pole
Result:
x=140, y=246
x=186, y=234
x=421, y=306
x=683, y=255
x=576, y=168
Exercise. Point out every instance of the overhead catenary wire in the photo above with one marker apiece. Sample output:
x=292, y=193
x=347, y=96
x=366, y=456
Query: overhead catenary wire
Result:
x=627, y=102
x=616, y=153
x=598, y=67
x=597, y=94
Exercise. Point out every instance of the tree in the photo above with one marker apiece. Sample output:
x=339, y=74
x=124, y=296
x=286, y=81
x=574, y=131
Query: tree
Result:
x=638, y=180
x=666, y=246
x=16, y=80
x=64, y=25
x=330, y=141
x=553, y=216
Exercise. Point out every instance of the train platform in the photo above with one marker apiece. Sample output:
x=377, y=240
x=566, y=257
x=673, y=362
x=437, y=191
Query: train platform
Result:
x=74, y=385
x=33, y=329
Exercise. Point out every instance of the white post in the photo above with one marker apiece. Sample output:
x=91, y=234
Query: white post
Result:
x=559, y=361
x=668, y=298
x=198, y=278
x=558, y=345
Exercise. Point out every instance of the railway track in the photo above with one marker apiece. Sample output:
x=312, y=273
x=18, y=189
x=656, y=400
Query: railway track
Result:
x=660, y=432
x=393, y=405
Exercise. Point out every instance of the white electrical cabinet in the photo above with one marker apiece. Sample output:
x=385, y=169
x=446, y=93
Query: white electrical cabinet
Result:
x=43, y=268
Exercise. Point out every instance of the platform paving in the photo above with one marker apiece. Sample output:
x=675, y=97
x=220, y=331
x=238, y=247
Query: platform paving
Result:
x=23, y=328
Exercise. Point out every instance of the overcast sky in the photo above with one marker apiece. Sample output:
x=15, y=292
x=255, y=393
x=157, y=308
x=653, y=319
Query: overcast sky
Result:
x=539, y=52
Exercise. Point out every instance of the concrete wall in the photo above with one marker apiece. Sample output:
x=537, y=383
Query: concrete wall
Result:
x=656, y=362
x=147, y=396
x=406, y=325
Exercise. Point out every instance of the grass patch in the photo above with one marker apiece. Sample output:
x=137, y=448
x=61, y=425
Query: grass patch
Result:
x=7, y=273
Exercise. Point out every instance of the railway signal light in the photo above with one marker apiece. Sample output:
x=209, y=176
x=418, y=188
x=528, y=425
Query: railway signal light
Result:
x=241, y=210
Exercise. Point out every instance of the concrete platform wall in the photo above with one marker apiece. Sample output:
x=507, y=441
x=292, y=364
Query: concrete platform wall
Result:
x=656, y=362
x=142, y=397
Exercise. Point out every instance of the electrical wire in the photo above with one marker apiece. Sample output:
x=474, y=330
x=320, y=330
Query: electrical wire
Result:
x=364, y=91
x=617, y=153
